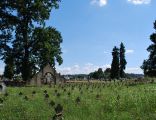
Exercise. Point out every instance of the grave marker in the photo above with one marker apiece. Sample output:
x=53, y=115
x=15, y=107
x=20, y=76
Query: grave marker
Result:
x=2, y=88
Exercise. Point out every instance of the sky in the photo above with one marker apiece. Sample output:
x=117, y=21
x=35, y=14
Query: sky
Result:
x=91, y=28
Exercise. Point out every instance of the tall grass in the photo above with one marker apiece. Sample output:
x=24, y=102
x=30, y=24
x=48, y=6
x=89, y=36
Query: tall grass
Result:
x=97, y=101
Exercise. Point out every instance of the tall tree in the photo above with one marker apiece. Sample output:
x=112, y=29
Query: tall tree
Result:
x=7, y=26
x=115, y=64
x=25, y=16
x=149, y=65
x=9, y=65
x=49, y=40
x=123, y=61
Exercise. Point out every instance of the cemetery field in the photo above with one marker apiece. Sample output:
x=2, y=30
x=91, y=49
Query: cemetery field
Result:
x=80, y=101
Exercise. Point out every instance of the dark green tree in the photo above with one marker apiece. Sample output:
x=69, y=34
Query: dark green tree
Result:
x=49, y=40
x=97, y=74
x=149, y=65
x=9, y=65
x=23, y=17
x=100, y=73
x=107, y=73
x=7, y=23
x=115, y=70
x=123, y=61
x=7, y=26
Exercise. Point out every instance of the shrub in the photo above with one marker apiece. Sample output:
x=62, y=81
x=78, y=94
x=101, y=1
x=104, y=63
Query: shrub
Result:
x=20, y=93
x=1, y=100
x=52, y=103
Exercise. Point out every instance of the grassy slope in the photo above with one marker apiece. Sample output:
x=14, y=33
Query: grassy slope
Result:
x=115, y=103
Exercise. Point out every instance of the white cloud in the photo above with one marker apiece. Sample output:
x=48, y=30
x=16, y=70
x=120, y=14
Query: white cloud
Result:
x=105, y=52
x=139, y=2
x=129, y=51
x=100, y=3
x=76, y=69
x=135, y=70
x=89, y=67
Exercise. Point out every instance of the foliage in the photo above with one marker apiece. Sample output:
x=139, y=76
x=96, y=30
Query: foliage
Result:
x=149, y=65
x=122, y=60
x=19, y=21
x=115, y=64
x=97, y=74
x=9, y=67
x=47, y=39
x=107, y=73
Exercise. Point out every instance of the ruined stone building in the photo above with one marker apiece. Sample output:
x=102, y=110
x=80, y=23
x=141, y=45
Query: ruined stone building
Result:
x=46, y=76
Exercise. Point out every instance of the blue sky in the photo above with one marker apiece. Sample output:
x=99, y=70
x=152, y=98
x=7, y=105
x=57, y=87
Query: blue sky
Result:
x=91, y=28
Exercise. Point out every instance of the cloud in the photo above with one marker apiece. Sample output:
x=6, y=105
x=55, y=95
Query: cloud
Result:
x=100, y=3
x=129, y=51
x=89, y=67
x=135, y=70
x=105, y=52
x=85, y=69
x=139, y=2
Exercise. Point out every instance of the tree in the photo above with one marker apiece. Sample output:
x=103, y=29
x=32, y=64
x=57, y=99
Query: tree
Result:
x=107, y=70
x=115, y=64
x=100, y=73
x=9, y=65
x=122, y=60
x=49, y=40
x=149, y=65
x=107, y=73
x=97, y=74
x=7, y=24
x=23, y=17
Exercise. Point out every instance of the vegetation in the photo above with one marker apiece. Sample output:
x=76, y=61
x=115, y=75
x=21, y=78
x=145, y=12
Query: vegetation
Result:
x=122, y=60
x=21, y=22
x=149, y=65
x=9, y=67
x=115, y=68
x=99, y=74
x=27, y=45
x=81, y=101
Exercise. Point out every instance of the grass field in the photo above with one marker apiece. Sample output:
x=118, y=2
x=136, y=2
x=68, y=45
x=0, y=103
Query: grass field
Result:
x=80, y=101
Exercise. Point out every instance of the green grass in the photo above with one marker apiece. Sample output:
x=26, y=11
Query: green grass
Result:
x=115, y=102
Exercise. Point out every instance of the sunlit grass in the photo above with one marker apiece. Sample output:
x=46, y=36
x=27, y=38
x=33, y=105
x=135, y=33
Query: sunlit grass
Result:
x=94, y=101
